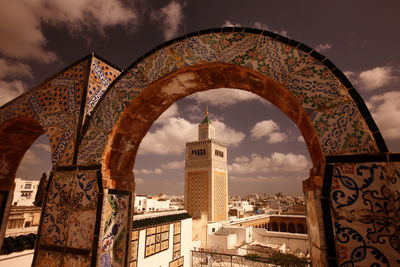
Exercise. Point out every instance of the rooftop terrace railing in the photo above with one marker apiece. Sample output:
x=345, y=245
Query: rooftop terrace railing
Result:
x=211, y=259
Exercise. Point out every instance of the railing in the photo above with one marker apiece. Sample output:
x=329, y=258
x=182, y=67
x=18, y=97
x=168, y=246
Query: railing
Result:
x=210, y=259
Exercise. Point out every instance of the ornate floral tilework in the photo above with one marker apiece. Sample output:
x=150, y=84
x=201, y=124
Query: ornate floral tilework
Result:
x=48, y=258
x=365, y=203
x=114, y=232
x=313, y=85
x=72, y=260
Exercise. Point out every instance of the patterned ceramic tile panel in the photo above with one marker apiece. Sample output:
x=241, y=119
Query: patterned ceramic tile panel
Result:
x=315, y=87
x=70, y=213
x=366, y=201
x=48, y=258
x=101, y=76
x=56, y=214
x=114, y=232
x=55, y=105
x=18, y=107
x=73, y=260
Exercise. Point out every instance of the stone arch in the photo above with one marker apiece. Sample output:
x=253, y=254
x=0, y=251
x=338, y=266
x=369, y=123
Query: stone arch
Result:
x=305, y=85
x=103, y=135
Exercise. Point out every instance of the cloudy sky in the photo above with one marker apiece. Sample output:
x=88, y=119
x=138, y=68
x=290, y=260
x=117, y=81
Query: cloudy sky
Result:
x=266, y=152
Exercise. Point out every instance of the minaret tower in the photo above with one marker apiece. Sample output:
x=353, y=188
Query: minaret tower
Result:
x=206, y=174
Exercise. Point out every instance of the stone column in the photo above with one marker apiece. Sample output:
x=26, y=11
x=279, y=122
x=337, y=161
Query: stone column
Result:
x=312, y=188
x=7, y=187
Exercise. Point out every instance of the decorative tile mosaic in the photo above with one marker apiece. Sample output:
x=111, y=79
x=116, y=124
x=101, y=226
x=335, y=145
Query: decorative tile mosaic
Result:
x=366, y=201
x=114, y=232
x=55, y=105
x=72, y=260
x=48, y=258
x=336, y=119
x=70, y=213
x=101, y=76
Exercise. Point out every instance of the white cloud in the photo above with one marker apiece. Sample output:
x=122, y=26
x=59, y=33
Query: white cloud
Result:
x=228, y=23
x=139, y=181
x=257, y=179
x=276, y=137
x=29, y=159
x=172, y=111
x=276, y=162
x=173, y=165
x=10, y=68
x=227, y=135
x=169, y=19
x=269, y=129
x=385, y=110
x=263, y=128
x=300, y=139
x=45, y=147
x=321, y=48
x=263, y=26
x=172, y=136
x=372, y=79
x=10, y=90
x=147, y=171
x=375, y=78
x=242, y=159
x=224, y=97
x=21, y=34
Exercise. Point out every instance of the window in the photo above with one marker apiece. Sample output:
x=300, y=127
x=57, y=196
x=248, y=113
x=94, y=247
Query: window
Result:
x=134, y=248
x=177, y=242
x=219, y=153
x=177, y=263
x=157, y=239
x=28, y=186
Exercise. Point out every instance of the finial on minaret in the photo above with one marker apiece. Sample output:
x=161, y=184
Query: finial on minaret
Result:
x=207, y=110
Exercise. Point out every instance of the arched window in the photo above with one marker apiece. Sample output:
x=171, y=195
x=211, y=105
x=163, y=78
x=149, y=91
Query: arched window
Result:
x=291, y=228
x=300, y=228
x=282, y=227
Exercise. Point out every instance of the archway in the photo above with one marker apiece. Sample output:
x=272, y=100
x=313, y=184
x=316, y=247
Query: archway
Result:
x=100, y=140
x=332, y=117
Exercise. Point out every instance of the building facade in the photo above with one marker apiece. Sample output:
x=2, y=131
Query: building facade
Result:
x=206, y=174
x=163, y=239
x=25, y=192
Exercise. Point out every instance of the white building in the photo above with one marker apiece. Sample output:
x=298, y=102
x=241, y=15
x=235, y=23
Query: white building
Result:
x=245, y=206
x=25, y=192
x=242, y=240
x=145, y=204
x=161, y=239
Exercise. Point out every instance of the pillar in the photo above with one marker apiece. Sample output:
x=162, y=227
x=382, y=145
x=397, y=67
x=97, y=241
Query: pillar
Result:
x=312, y=193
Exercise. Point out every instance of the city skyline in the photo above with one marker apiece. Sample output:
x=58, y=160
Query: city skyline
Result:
x=262, y=141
